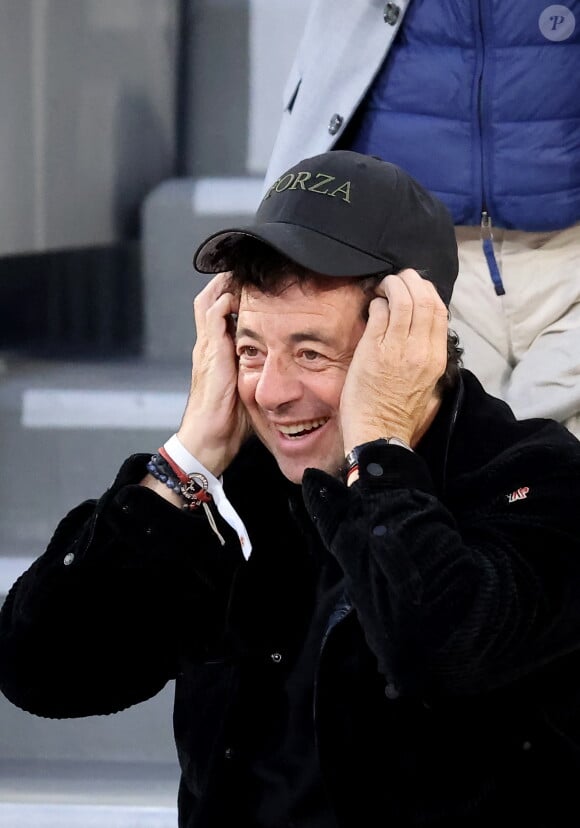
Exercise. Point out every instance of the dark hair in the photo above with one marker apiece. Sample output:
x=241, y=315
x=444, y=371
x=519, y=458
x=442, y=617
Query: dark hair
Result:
x=256, y=264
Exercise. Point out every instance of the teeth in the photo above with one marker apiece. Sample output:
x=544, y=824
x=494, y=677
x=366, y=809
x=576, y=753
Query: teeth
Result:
x=300, y=428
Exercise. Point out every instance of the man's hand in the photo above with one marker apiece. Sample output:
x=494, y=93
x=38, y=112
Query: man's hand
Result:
x=390, y=384
x=215, y=423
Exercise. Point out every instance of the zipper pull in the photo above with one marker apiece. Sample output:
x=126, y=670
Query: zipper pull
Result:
x=488, y=251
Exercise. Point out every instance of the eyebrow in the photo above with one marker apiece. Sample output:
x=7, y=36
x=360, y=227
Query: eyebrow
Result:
x=299, y=336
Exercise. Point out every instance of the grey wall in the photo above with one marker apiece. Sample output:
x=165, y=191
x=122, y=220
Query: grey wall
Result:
x=217, y=87
x=86, y=118
x=240, y=54
x=88, y=103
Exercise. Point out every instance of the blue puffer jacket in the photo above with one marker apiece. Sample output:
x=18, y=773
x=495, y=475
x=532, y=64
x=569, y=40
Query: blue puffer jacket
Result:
x=480, y=100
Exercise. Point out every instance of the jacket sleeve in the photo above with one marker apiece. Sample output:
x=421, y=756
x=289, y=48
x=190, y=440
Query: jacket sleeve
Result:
x=461, y=598
x=128, y=585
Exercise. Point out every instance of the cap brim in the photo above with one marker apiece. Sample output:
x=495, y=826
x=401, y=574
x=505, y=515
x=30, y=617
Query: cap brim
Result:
x=309, y=248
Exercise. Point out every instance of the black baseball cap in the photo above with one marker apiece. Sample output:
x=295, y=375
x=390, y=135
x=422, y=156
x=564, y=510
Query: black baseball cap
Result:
x=342, y=213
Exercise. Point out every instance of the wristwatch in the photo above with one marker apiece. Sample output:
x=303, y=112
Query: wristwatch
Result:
x=353, y=455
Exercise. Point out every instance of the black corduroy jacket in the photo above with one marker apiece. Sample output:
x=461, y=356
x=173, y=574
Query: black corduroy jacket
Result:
x=447, y=688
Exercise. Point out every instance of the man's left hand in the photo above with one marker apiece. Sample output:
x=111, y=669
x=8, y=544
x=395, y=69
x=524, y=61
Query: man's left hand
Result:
x=390, y=385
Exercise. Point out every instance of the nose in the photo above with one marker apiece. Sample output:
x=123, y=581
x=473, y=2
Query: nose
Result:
x=278, y=384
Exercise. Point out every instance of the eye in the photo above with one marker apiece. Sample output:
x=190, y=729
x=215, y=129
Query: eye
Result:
x=247, y=351
x=310, y=356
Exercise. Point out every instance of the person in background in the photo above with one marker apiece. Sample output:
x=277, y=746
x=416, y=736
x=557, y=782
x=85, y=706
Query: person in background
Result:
x=360, y=570
x=478, y=101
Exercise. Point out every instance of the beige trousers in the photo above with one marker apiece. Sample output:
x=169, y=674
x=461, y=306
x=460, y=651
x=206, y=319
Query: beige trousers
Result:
x=524, y=346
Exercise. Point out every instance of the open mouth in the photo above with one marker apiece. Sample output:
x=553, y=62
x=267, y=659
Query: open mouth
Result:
x=300, y=429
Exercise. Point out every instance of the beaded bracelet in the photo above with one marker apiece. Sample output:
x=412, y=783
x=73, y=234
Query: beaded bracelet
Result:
x=192, y=487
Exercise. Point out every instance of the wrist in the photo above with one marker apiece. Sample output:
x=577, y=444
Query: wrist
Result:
x=191, y=487
x=351, y=470
x=391, y=441
x=162, y=490
x=190, y=452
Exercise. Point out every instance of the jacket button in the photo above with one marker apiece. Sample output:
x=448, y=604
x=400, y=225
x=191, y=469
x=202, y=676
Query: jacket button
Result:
x=229, y=753
x=391, y=13
x=526, y=746
x=335, y=123
x=375, y=469
x=276, y=658
x=391, y=692
x=379, y=531
x=68, y=558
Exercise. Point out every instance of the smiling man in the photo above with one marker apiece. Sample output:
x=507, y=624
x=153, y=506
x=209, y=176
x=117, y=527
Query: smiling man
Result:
x=294, y=350
x=362, y=572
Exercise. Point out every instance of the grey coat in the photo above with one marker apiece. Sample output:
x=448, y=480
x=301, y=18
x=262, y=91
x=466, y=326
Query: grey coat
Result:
x=331, y=89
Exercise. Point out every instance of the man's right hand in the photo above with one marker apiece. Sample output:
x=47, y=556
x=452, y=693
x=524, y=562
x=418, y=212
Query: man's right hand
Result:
x=215, y=423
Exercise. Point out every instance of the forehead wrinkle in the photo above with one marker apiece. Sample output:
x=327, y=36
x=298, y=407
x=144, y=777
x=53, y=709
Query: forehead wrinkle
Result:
x=287, y=311
x=322, y=311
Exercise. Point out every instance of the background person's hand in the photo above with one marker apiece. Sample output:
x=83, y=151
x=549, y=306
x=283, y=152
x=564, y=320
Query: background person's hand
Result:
x=389, y=388
x=214, y=423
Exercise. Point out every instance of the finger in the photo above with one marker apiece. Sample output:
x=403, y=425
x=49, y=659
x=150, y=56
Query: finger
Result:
x=430, y=317
x=216, y=317
x=425, y=301
x=207, y=297
x=395, y=309
x=422, y=290
x=439, y=334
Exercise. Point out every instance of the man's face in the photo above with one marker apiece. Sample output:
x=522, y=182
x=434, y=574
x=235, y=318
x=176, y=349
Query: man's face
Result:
x=294, y=351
